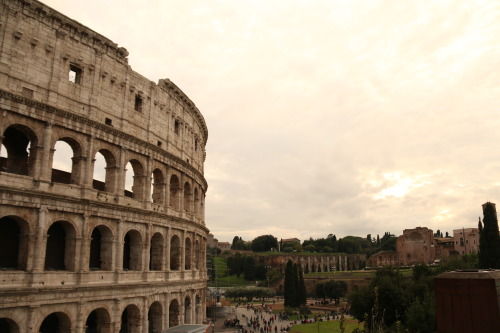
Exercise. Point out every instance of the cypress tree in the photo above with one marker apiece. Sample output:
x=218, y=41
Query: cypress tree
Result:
x=297, y=286
x=489, y=238
x=302, y=294
x=289, y=287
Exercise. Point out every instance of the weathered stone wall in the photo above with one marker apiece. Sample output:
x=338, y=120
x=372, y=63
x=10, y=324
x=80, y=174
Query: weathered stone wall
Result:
x=77, y=252
x=416, y=246
x=327, y=262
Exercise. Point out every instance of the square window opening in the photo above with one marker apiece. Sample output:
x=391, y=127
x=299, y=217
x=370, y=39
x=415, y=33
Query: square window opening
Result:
x=138, y=103
x=177, y=127
x=158, y=143
x=75, y=74
x=108, y=121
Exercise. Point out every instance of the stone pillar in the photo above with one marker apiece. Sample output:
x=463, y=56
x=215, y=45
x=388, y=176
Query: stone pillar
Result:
x=183, y=251
x=116, y=316
x=88, y=177
x=80, y=320
x=166, y=202
x=43, y=162
x=167, y=250
x=85, y=245
x=166, y=303
x=146, y=246
x=30, y=322
x=119, y=247
x=148, y=181
x=119, y=185
x=39, y=254
x=144, y=313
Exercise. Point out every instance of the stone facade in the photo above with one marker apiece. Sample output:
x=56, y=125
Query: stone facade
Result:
x=466, y=240
x=416, y=246
x=78, y=254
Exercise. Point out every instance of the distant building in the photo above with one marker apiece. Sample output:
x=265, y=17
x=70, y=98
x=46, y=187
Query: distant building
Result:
x=416, y=246
x=466, y=240
x=224, y=246
x=288, y=242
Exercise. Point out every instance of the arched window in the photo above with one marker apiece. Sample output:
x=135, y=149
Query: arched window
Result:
x=98, y=321
x=156, y=252
x=19, y=157
x=158, y=187
x=174, y=189
x=132, y=253
x=8, y=326
x=155, y=315
x=134, y=180
x=101, y=249
x=196, y=202
x=60, y=249
x=131, y=320
x=187, y=258
x=187, y=197
x=66, y=162
x=56, y=322
x=105, y=171
x=197, y=254
x=187, y=310
x=173, y=313
x=14, y=234
x=175, y=253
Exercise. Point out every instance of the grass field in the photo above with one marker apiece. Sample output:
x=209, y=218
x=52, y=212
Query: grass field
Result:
x=222, y=279
x=332, y=326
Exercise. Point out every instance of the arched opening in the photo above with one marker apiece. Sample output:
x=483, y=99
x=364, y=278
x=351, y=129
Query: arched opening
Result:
x=155, y=315
x=174, y=189
x=98, y=321
x=131, y=320
x=105, y=171
x=187, y=197
x=8, y=326
x=173, y=314
x=187, y=254
x=132, y=253
x=158, y=187
x=197, y=254
x=134, y=180
x=66, y=162
x=14, y=239
x=101, y=249
x=156, y=253
x=196, y=202
x=56, y=322
x=19, y=142
x=175, y=253
x=198, y=310
x=60, y=248
x=187, y=310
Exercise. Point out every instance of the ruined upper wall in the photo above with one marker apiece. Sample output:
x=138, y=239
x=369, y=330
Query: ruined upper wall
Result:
x=52, y=59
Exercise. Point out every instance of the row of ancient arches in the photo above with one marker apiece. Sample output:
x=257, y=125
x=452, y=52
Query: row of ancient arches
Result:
x=24, y=153
x=131, y=320
x=59, y=248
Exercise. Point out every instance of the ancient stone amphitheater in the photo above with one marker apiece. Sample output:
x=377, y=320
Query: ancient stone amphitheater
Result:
x=79, y=252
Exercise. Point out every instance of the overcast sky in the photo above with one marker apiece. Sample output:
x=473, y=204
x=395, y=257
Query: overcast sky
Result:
x=328, y=117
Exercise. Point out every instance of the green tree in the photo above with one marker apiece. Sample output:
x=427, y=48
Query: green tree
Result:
x=489, y=238
x=289, y=289
x=302, y=293
x=264, y=243
x=249, y=269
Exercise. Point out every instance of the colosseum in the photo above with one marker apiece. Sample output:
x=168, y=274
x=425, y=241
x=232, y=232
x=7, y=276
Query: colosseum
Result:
x=79, y=250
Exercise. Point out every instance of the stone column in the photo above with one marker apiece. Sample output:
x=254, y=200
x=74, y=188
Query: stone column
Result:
x=116, y=316
x=88, y=177
x=85, y=245
x=148, y=182
x=43, y=162
x=80, y=320
x=39, y=254
x=146, y=246
x=167, y=250
x=144, y=312
x=119, y=247
x=166, y=315
x=183, y=251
